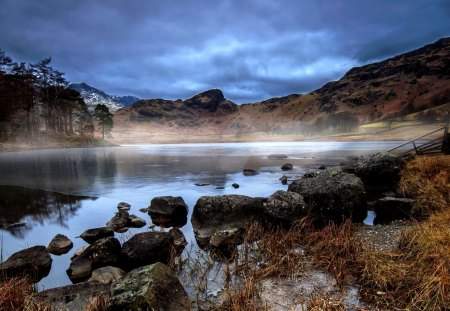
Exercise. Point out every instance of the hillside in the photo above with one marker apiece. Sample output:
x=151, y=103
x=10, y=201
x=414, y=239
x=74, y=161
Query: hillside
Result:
x=397, y=87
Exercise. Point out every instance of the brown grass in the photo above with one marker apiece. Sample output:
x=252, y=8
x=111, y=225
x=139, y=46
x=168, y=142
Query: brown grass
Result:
x=417, y=275
x=15, y=295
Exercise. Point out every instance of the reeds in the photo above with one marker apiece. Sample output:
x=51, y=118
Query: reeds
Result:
x=15, y=295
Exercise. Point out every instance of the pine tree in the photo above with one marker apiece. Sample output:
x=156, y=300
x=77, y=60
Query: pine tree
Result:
x=104, y=118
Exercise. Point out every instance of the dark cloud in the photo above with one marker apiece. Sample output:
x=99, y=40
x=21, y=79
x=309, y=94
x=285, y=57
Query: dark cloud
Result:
x=252, y=49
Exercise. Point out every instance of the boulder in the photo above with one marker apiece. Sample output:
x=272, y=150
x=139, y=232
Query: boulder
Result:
x=146, y=248
x=168, y=211
x=136, y=222
x=287, y=167
x=250, y=172
x=101, y=253
x=106, y=275
x=213, y=214
x=285, y=208
x=388, y=209
x=119, y=222
x=332, y=196
x=78, y=252
x=59, y=245
x=379, y=173
x=34, y=262
x=92, y=235
x=179, y=240
x=123, y=206
x=152, y=287
x=73, y=297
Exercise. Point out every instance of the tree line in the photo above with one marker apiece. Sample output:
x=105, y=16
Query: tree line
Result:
x=36, y=104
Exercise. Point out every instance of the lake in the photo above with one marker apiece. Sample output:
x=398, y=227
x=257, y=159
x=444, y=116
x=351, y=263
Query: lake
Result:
x=67, y=191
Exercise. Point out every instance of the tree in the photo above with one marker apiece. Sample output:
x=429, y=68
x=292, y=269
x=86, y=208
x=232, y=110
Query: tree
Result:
x=104, y=118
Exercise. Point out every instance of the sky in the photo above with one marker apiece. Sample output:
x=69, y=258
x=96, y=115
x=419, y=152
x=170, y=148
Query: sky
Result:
x=251, y=49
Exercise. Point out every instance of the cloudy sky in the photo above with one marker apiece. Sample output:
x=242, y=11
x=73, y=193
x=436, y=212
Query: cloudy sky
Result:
x=251, y=49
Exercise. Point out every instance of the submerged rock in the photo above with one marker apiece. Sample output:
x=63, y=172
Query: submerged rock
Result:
x=285, y=208
x=389, y=209
x=92, y=235
x=34, y=262
x=152, y=287
x=213, y=214
x=101, y=253
x=332, y=196
x=73, y=297
x=168, y=211
x=59, y=245
x=146, y=248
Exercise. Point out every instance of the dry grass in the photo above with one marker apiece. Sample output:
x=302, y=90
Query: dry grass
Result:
x=15, y=295
x=98, y=303
x=417, y=275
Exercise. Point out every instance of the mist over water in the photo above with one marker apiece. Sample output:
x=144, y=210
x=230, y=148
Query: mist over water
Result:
x=78, y=189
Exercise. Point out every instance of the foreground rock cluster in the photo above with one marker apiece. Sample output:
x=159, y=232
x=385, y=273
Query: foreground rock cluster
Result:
x=134, y=274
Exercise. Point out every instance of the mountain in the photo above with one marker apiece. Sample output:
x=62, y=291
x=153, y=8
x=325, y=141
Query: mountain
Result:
x=93, y=96
x=408, y=84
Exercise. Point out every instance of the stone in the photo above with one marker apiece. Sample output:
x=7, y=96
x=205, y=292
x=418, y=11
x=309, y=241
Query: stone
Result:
x=106, y=275
x=34, y=262
x=285, y=208
x=212, y=214
x=73, y=297
x=235, y=185
x=59, y=245
x=78, y=252
x=250, y=172
x=332, y=196
x=101, y=253
x=143, y=210
x=94, y=234
x=119, y=222
x=287, y=167
x=179, y=240
x=223, y=243
x=389, y=209
x=123, y=206
x=151, y=287
x=379, y=173
x=146, y=248
x=136, y=222
x=284, y=180
x=168, y=211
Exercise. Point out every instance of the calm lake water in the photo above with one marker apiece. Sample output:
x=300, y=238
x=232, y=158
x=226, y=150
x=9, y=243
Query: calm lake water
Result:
x=67, y=191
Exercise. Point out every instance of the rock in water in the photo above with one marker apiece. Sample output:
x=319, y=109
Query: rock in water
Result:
x=168, y=211
x=146, y=248
x=72, y=297
x=34, y=262
x=123, y=206
x=250, y=172
x=152, y=287
x=389, y=209
x=106, y=275
x=179, y=240
x=235, y=185
x=212, y=214
x=59, y=245
x=136, y=222
x=380, y=173
x=101, y=253
x=332, y=196
x=119, y=222
x=285, y=208
x=287, y=167
x=92, y=235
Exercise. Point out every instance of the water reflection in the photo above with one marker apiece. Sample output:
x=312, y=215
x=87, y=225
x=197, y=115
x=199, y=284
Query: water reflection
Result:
x=22, y=208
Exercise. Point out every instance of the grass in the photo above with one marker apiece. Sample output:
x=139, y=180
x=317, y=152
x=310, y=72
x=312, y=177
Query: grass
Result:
x=15, y=295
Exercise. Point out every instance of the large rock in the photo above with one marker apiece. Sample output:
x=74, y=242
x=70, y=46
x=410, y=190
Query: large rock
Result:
x=179, y=240
x=152, y=287
x=34, y=262
x=92, y=235
x=389, y=209
x=380, y=173
x=106, y=275
x=285, y=208
x=119, y=222
x=101, y=253
x=136, y=222
x=73, y=297
x=211, y=100
x=146, y=248
x=59, y=245
x=332, y=196
x=168, y=211
x=213, y=214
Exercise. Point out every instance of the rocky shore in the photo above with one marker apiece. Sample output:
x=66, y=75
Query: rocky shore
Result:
x=138, y=274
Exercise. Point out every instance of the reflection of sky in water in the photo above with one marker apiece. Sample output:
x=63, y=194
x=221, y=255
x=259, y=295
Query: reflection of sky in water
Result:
x=137, y=173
